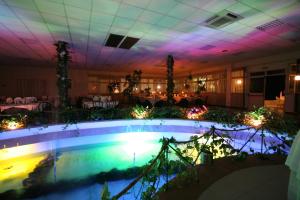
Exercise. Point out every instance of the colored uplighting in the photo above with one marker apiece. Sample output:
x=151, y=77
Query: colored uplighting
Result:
x=139, y=112
x=297, y=78
x=12, y=124
x=255, y=122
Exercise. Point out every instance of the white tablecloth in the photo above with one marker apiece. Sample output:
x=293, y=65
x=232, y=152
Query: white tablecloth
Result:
x=33, y=106
x=293, y=161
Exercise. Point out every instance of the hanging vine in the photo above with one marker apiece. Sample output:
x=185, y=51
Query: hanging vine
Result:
x=170, y=83
x=63, y=82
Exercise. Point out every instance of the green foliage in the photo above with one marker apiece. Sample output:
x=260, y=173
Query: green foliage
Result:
x=105, y=194
x=73, y=115
x=109, y=113
x=170, y=81
x=63, y=82
x=140, y=112
x=220, y=116
x=167, y=112
x=132, y=81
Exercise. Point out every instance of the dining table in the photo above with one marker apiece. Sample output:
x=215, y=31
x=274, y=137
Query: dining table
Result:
x=31, y=106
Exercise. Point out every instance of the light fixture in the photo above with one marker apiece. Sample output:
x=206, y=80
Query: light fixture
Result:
x=297, y=78
x=239, y=81
x=158, y=87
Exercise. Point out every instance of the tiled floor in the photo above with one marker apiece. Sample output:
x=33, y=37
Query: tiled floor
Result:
x=255, y=183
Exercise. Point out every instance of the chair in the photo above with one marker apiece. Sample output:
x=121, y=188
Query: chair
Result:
x=9, y=100
x=18, y=100
x=96, y=98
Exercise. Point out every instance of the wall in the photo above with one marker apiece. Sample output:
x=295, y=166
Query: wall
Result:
x=11, y=76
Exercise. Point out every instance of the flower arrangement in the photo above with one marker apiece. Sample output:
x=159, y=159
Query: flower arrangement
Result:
x=140, y=112
x=196, y=112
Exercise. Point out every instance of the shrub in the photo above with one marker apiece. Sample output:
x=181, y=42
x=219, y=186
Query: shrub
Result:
x=184, y=103
x=147, y=104
x=167, y=112
x=160, y=104
x=199, y=102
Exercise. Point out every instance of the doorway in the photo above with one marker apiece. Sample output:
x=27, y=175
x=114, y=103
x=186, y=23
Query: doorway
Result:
x=274, y=86
x=275, y=92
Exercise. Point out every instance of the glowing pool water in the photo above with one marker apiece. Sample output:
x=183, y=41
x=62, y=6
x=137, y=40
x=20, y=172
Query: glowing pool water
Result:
x=85, y=149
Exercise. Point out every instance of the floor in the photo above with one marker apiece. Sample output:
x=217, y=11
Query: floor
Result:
x=255, y=183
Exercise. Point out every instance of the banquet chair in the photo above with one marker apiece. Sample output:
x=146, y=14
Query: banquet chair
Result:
x=18, y=100
x=9, y=100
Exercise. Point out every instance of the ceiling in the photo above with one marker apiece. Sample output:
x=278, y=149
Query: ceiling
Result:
x=28, y=29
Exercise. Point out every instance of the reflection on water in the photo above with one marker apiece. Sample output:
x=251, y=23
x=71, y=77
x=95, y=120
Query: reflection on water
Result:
x=132, y=149
x=14, y=171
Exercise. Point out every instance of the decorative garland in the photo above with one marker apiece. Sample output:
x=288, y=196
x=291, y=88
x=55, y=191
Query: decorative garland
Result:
x=63, y=83
x=170, y=83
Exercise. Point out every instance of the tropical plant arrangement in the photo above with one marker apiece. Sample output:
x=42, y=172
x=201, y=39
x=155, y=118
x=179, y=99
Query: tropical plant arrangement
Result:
x=132, y=81
x=63, y=82
x=148, y=91
x=140, y=112
x=170, y=81
x=201, y=87
x=114, y=87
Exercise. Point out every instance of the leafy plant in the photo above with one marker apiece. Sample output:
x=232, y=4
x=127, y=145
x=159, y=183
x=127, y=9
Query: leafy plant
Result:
x=63, y=82
x=184, y=103
x=132, y=81
x=114, y=87
x=170, y=81
x=105, y=194
x=140, y=112
x=167, y=112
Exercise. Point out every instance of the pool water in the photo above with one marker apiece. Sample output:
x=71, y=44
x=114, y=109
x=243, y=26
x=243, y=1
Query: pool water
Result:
x=81, y=162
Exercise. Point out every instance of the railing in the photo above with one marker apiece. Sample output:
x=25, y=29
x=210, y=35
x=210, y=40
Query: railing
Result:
x=212, y=144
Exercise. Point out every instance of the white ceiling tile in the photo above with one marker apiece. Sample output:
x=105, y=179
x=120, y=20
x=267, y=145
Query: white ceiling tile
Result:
x=181, y=11
x=105, y=6
x=186, y=27
x=216, y=6
x=102, y=18
x=138, y=3
x=168, y=22
x=150, y=17
x=6, y=11
x=129, y=11
x=77, y=13
x=123, y=22
x=28, y=5
x=86, y=4
x=55, y=19
x=117, y=30
x=199, y=16
x=51, y=7
x=162, y=6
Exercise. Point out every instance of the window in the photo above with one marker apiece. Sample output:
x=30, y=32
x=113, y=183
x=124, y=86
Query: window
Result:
x=237, y=81
x=257, y=85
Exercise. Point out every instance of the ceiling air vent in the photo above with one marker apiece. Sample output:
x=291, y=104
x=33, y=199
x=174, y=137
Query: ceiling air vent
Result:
x=114, y=40
x=120, y=41
x=222, y=19
x=129, y=42
x=269, y=25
